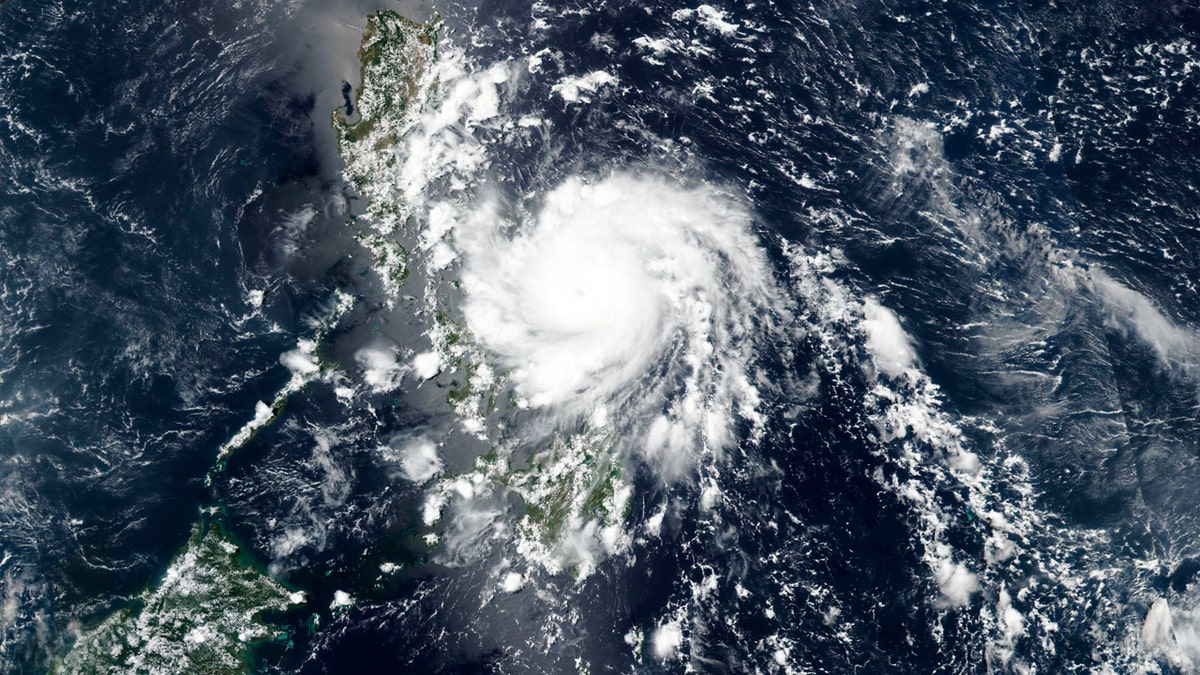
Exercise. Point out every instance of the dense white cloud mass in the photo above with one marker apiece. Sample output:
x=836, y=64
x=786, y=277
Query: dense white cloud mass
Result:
x=626, y=293
x=890, y=347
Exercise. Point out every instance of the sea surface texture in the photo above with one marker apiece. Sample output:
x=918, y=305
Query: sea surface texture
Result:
x=599, y=337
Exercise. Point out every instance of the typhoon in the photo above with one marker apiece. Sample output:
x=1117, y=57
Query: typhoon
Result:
x=630, y=294
x=625, y=319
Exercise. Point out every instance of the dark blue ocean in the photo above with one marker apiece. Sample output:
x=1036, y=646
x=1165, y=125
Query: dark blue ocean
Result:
x=1016, y=181
x=148, y=153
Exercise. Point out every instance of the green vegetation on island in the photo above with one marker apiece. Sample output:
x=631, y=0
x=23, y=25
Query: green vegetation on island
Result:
x=396, y=56
x=202, y=617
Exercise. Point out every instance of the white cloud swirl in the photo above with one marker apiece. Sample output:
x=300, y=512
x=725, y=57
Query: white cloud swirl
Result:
x=631, y=294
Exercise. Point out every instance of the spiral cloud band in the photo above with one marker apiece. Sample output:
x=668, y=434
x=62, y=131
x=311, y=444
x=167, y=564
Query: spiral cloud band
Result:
x=632, y=299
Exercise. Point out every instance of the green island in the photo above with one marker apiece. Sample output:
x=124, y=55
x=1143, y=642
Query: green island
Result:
x=396, y=57
x=203, y=616
x=208, y=610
